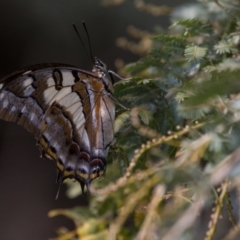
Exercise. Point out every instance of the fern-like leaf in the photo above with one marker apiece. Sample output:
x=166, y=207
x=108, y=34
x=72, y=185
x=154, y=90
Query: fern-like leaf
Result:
x=195, y=53
x=225, y=46
x=193, y=26
x=120, y=120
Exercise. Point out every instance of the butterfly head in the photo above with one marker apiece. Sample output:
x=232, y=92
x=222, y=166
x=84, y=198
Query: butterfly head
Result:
x=100, y=68
x=99, y=65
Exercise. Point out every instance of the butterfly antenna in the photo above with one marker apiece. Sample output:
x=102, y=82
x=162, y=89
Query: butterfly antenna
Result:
x=89, y=42
x=79, y=37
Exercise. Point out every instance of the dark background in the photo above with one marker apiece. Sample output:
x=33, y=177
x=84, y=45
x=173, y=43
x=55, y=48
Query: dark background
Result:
x=41, y=32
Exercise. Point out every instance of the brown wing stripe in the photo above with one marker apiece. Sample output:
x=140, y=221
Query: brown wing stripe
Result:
x=58, y=79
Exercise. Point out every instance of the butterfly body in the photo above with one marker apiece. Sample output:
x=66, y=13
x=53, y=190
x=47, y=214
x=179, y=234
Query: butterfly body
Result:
x=70, y=112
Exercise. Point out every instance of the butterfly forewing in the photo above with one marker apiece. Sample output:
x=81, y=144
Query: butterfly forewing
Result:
x=70, y=111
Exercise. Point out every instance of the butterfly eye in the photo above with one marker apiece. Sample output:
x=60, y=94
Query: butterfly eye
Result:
x=99, y=63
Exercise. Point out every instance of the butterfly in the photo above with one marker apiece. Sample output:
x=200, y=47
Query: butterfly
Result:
x=70, y=112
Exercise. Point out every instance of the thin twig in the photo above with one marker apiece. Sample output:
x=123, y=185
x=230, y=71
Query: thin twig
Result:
x=215, y=216
x=152, y=215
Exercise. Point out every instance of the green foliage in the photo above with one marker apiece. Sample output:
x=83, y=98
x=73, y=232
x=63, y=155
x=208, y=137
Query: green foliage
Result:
x=225, y=46
x=195, y=53
x=194, y=27
x=180, y=139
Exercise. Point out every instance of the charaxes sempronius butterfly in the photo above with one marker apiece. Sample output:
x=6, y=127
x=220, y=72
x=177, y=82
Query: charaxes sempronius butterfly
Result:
x=70, y=112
